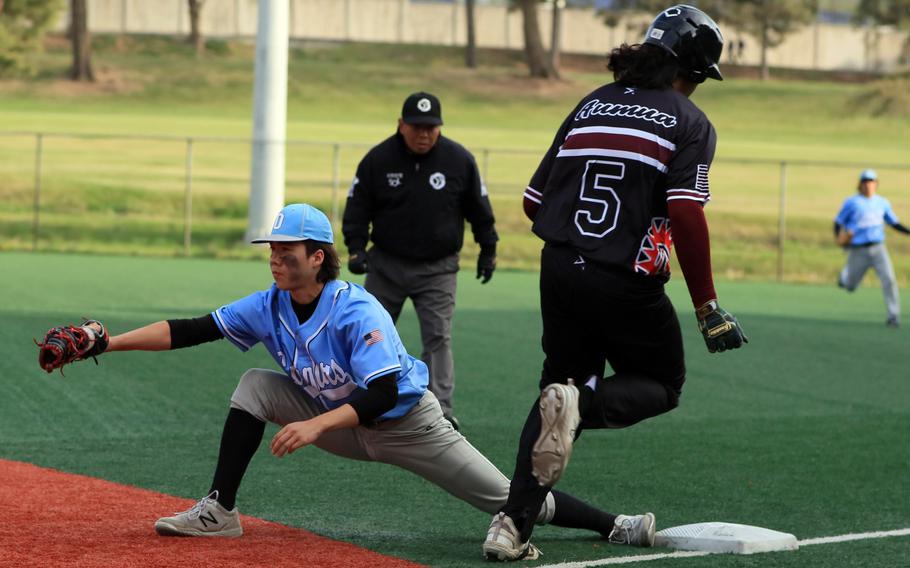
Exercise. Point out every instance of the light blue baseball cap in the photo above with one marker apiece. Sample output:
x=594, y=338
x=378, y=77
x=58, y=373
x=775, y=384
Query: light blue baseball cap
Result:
x=868, y=175
x=299, y=222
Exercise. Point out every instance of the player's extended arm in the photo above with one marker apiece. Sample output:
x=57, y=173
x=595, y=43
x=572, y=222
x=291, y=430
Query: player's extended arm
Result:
x=169, y=334
x=900, y=228
x=65, y=344
x=720, y=329
x=152, y=337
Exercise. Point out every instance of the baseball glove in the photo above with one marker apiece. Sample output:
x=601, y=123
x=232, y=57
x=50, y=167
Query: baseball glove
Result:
x=844, y=238
x=65, y=344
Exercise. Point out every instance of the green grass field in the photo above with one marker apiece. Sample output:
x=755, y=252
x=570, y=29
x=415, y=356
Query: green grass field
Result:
x=804, y=430
x=125, y=195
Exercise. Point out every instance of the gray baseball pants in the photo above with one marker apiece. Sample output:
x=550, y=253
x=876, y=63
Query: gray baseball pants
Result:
x=422, y=441
x=431, y=287
x=859, y=260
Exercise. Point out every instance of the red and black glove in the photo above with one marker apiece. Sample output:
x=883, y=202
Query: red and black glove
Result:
x=66, y=344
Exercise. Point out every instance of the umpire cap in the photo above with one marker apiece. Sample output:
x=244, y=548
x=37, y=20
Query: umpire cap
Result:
x=299, y=222
x=422, y=108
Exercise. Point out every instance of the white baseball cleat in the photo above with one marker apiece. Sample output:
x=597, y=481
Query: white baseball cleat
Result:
x=205, y=518
x=502, y=542
x=634, y=530
x=559, y=419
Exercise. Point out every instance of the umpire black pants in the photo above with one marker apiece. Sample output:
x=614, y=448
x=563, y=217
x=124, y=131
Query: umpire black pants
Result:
x=594, y=315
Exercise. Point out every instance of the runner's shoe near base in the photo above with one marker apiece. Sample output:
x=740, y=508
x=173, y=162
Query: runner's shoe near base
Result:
x=502, y=542
x=205, y=518
x=633, y=530
x=559, y=419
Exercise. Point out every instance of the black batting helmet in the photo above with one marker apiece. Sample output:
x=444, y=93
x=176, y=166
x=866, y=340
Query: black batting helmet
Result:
x=692, y=37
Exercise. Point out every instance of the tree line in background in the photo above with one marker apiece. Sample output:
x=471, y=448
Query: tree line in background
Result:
x=768, y=21
x=23, y=24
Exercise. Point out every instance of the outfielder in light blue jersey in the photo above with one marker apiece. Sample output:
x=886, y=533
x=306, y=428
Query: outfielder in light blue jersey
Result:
x=860, y=228
x=346, y=385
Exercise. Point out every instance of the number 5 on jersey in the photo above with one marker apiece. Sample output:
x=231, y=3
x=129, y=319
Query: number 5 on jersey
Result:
x=598, y=208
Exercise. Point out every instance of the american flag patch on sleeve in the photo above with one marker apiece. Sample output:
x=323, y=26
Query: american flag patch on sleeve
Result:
x=374, y=336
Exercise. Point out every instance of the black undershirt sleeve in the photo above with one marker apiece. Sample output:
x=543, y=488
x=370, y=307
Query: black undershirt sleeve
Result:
x=380, y=396
x=190, y=332
x=901, y=228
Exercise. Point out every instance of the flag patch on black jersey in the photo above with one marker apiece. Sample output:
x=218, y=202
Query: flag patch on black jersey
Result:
x=374, y=336
x=654, y=254
x=701, y=178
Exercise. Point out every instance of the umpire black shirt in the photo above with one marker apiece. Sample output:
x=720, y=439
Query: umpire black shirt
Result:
x=417, y=204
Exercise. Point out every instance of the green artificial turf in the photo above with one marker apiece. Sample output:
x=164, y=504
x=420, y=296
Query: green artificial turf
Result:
x=804, y=430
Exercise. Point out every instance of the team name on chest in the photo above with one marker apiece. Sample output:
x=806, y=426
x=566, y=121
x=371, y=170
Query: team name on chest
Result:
x=319, y=377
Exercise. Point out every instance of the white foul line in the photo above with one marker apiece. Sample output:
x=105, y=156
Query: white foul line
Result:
x=628, y=559
x=855, y=536
x=690, y=554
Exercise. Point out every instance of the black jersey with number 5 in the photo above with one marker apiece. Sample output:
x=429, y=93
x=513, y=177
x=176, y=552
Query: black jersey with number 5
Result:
x=616, y=161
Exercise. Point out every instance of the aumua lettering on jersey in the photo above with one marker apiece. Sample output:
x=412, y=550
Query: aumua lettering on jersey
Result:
x=324, y=379
x=628, y=143
x=596, y=108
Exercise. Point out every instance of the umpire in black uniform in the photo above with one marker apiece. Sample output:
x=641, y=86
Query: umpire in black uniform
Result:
x=416, y=189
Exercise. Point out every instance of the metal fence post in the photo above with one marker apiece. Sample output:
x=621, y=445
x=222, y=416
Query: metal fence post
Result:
x=188, y=200
x=336, y=175
x=39, y=152
x=782, y=222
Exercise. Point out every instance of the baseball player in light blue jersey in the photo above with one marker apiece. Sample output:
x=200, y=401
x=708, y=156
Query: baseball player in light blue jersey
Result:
x=860, y=228
x=347, y=385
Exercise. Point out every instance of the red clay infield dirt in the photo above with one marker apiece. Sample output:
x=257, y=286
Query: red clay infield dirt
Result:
x=55, y=519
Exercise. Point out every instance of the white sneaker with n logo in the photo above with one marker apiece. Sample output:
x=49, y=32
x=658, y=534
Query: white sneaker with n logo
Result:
x=205, y=518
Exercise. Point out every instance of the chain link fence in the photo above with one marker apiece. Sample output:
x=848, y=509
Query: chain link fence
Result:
x=171, y=195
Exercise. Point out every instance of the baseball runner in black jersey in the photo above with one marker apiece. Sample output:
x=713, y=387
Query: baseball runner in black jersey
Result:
x=629, y=162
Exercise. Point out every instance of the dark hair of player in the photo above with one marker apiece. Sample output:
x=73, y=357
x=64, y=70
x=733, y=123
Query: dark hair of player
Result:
x=331, y=266
x=643, y=65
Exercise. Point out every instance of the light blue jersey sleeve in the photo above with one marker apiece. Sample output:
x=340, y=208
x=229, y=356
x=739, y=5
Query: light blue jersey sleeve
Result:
x=245, y=321
x=371, y=339
x=845, y=213
x=890, y=217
